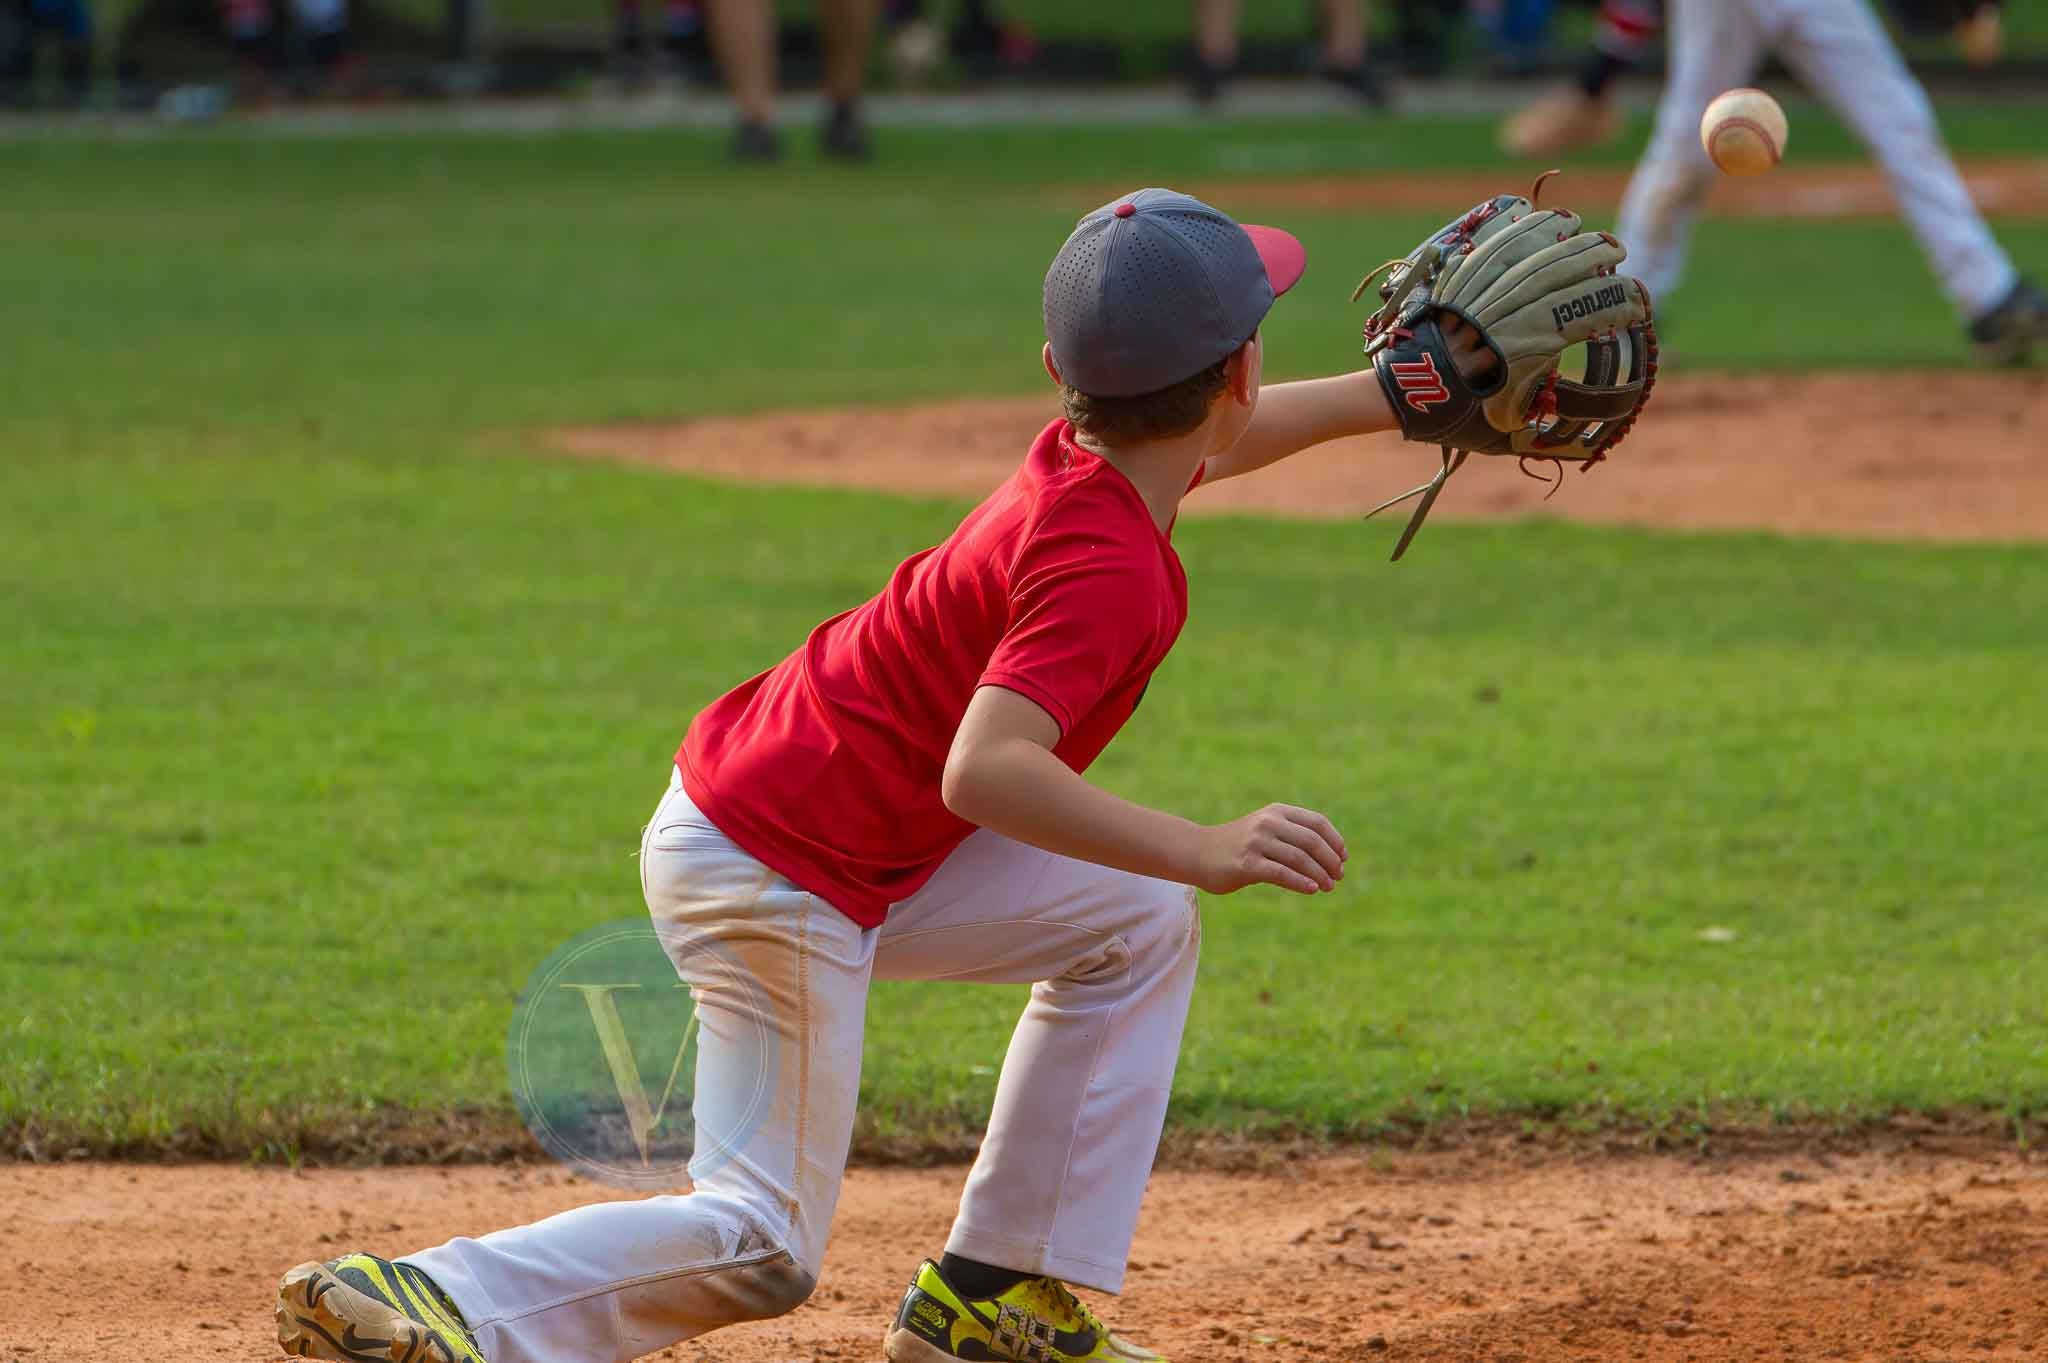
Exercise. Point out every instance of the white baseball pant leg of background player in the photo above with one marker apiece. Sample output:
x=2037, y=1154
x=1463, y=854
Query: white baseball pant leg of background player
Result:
x=1715, y=45
x=1838, y=48
x=1111, y=961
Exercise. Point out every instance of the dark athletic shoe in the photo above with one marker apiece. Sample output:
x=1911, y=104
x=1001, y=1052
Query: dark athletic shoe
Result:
x=756, y=142
x=1036, y=1321
x=2007, y=333
x=1360, y=82
x=1206, y=80
x=844, y=136
x=362, y=1309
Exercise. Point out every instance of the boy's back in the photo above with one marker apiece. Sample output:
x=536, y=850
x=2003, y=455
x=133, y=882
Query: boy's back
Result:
x=826, y=768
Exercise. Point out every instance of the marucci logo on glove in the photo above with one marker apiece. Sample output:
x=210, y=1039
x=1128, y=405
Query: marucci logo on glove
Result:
x=1613, y=296
x=1420, y=384
x=1531, y=284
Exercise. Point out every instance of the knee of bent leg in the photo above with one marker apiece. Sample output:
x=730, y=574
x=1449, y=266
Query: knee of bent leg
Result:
x=723, y=1260
x=764, y=1277
x=1140, y=929
x=754, y=1289
x=1169, y=924
x=773, y=1287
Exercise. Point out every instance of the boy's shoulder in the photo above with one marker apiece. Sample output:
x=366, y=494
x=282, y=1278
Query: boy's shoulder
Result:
x=1062, y=503
x=1079, y=492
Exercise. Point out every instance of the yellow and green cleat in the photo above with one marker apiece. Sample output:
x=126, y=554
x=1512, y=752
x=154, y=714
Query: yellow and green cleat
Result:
x=1036, y=1321
x=362, y=1309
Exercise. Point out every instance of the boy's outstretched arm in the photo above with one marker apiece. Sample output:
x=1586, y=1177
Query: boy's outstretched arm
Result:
x=1002, y=775
x=1291, y=417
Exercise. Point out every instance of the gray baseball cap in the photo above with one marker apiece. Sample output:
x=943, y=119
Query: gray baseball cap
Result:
x=1155, y=287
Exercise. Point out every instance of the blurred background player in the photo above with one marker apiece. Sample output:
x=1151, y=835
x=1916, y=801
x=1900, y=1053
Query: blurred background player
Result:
x=1342, y=51
x=743, y=34
x=1624, y=35
x=23, y=24
x=1839, y=50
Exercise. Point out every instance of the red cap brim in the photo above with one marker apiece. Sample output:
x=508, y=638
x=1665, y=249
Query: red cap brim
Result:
x=1283, y=253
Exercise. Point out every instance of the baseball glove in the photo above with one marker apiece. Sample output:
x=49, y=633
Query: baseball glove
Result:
x=1532, y=284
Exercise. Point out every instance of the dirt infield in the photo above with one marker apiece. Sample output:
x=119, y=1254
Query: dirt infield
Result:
x=2015, y=188
x=1913, y=1254
x=1950, y=456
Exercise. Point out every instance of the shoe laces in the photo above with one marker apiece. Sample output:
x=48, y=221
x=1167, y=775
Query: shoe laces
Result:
x=1064, y=1297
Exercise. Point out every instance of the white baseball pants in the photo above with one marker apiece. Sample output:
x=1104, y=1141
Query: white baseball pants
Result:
x=1840, y=51
x=1078, y=1110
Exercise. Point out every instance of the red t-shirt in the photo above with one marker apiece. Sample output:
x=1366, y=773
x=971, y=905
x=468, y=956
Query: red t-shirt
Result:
x=826, y=768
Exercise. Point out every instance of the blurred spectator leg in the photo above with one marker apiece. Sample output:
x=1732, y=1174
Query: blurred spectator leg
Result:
x=849, y=35
x=1344, y=55
x=17, y=54
x=743, y=36
x=1215, y=48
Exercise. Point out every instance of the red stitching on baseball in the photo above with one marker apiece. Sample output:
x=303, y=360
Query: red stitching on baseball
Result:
x=1732, y=123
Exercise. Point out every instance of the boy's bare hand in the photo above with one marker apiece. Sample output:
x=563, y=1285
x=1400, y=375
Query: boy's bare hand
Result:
x=1474, y=358
x=1296, y=849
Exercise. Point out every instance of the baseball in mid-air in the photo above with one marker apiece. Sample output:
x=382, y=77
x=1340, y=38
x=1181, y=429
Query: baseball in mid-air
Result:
x=1744, y=131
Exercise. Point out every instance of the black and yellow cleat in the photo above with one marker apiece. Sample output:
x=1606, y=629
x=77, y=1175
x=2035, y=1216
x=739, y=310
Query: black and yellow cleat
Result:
x=362, y=1309
x=1036, y=1321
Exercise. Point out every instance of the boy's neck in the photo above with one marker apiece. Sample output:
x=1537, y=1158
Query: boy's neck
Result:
x=1159, y=469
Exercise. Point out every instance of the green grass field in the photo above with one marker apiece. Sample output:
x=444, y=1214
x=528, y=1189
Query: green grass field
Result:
x=333, y=705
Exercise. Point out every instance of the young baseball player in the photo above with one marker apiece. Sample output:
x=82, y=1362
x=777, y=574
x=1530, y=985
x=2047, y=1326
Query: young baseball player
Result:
x=903, y=798
x=1838, y=48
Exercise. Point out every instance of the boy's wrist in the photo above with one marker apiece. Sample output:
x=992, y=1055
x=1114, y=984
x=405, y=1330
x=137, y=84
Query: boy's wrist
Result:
x=1374, y=413
x=1186, y=850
